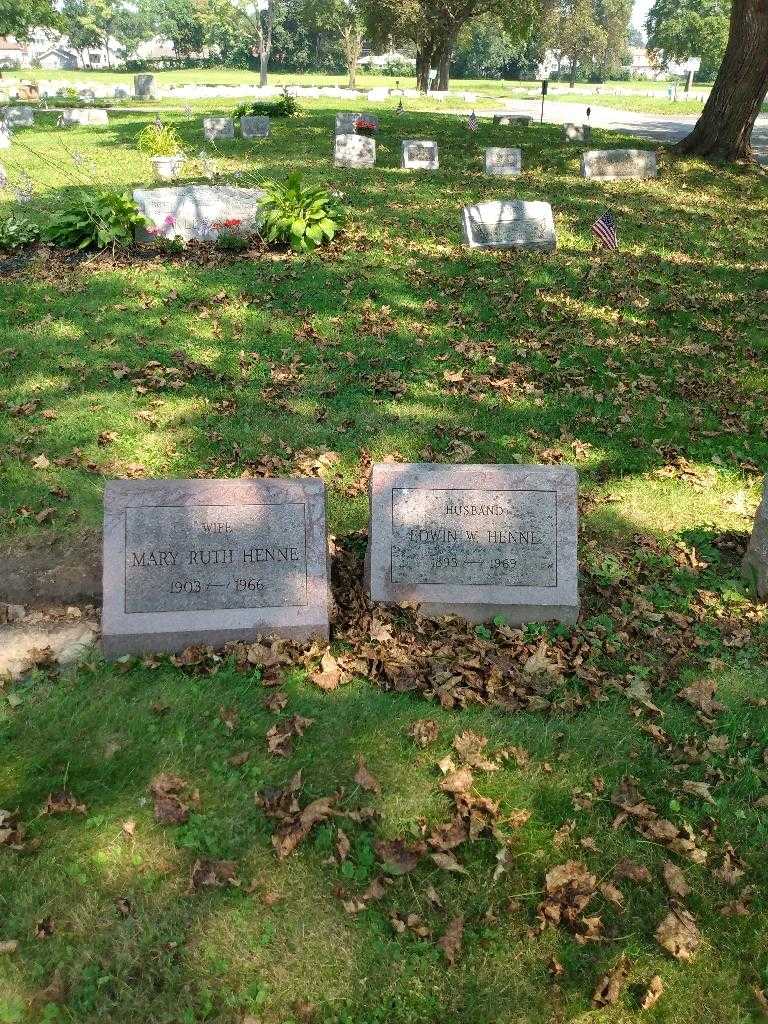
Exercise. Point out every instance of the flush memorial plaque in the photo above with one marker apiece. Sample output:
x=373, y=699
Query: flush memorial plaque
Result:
x=509, y=224
x=255, y=127
x=475, y=541
x=420, y=154
x=208, y=561
x=502, y=161
x=614, y=164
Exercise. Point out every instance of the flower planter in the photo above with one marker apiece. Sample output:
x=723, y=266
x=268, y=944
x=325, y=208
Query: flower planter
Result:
x=167, y=168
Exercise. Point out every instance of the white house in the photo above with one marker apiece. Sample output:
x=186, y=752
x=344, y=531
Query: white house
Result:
x=13, y=54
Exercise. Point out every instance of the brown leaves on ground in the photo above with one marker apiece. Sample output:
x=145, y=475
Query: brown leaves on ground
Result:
x=168, y=790
x=610, y=985
x=653, y=993
x=470, y=748
x=280, y=737
x=679, y=934
x=64, y=802
x=364, y=779
x=569, y=888
x=424, y=731
x=398, y=857
x=701, y=695
x=295, y=824
x=450, y=942
x=12, y=831
x=674, y=879
x=678, y=839
x=213, y=873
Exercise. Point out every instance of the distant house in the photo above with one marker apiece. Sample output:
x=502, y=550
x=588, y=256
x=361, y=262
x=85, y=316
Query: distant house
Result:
x=13, y=54
x=156, y=48
x=56, y=58
x=393, y=57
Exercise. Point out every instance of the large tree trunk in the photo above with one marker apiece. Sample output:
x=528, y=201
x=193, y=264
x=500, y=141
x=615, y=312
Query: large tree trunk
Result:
x=423, y=64
x=444, y=66
x=724, y=129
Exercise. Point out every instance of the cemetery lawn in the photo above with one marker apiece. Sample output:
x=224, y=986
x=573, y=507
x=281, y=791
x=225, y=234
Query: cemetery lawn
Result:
x=646, y=370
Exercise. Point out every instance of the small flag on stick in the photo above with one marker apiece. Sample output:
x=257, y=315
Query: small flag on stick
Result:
x=472, y=122
x=400, y=107
x=604, y=230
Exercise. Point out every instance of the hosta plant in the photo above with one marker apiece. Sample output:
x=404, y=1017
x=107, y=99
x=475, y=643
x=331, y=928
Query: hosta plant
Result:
x=303, y=216
x=95, y=221
x=17, y=231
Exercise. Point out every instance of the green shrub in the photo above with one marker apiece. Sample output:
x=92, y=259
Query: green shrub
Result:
x=95, y=222
x=159, y=140
x=286, y=106
x=398, y=69
x=17, y=231
x=304, y=216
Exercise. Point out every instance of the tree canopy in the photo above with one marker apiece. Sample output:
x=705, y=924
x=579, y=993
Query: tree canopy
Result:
x=679, y=29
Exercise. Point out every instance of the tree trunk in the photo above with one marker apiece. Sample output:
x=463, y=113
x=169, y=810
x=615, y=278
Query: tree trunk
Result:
x=724, y=129
x=444, y=66
x=423, y=64
x=263, y=62
x=265, y=23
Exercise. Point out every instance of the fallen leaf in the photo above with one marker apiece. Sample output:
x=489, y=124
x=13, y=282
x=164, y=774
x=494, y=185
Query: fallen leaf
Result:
x=459, y=781
x=653, y=993
x=9, y=946
x=63, y=802
x=450, y=942
x=208, y=873
x=424, y=731
x=448, y=862
x=610, y=985
x=364, y=779
x=678, y=933
x=397, y=857
x=699, y=789
x=674, y=879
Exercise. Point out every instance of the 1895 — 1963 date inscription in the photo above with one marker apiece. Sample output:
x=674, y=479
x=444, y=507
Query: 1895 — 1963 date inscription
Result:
x=478, y=538
x=205, y=557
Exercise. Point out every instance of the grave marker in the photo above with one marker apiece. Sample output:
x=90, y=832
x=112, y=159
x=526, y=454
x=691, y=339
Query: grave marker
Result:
x=577, y=133
x=503, y=162
x=509, y=119
x=218, y=128
x=345, y=123
x=475, y=541
x=86, y=117
x=197, y=211
x=5, y=136
x=420, y=154
x=209, y=561
x=354, y=151
x=144, y=87
x=255, y=126
x=18, y=117
x=509, y=224
x=755, y=564
x=614, y=164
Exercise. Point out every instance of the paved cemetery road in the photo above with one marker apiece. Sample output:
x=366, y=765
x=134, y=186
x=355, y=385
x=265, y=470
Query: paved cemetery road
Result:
x=646, y=126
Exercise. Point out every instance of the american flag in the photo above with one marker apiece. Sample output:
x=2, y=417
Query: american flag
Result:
x=604, y=229
x=472, y=122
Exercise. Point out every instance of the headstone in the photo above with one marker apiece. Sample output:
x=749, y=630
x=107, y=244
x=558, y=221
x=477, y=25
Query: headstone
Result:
x=197, y=211
x=209, y=561
x=144, y=87
x=509, y=119
x=420, y=154
x=509, y=224
x=85, y=117
x=613, y=164
x=254, y=127
x=5, y=136
x=503, y=162
x=755, y=565
x=354, y=151
x=218, y=128
x=29, y=91
x=18, y=116
x=577, y=133
x=475, y=541
x=345, y=123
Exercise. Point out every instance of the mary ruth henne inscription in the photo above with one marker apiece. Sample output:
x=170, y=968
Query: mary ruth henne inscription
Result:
x=475, y=541
x=474, y=538
x=206, y=561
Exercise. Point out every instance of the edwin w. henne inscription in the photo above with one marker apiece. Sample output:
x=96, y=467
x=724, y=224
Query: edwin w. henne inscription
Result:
x=207, y=561
x=474, y=538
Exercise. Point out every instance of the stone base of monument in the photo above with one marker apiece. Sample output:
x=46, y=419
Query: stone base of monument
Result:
x=212, y=561
x=755, y=565
x=475, y=541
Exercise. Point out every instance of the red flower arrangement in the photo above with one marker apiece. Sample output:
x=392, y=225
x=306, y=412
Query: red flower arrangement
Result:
x=227, y=225
x=365, y=127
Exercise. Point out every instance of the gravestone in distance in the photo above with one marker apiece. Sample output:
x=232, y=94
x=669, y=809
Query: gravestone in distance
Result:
x=209, y=561
x=144, y=87
x=354, y=151
x=614, y=164
x=577, y=133
x=218, y=128
x=86, y=117
x=18, y=117
x=509, y=224
x=503, y=162
x=197, y=211
x=475, y=541
x=254, y=126
x=523, y=120
x=755, y=564
x=420, y=154
x=345, y=122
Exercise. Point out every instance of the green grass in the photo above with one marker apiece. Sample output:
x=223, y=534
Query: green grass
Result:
x=620, y=365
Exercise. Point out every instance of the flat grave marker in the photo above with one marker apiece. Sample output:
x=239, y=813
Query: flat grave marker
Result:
x=503, y=161
x=523, y=120
x=218, y=128
x=255, y=126
x=509, y=224
x=615, y=164
x=197, y=211
x=354, y=151
x=475, y=541
x=209, y=561
x=420, y=154
x=86, y=117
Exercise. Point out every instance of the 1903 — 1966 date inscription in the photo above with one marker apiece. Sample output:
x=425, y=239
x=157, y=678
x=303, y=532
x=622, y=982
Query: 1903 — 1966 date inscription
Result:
x=205, y=557
x=474, y=537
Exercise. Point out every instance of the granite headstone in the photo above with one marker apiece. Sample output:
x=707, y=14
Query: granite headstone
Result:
x=209, y=561
x=755, y=565
x=354, y=151
x=420, y=154
x=615, y=164
x=504, y=162
x=218, y=128
x=255, y=126
x=345, y=122
x=196, y=211
x=509, y=224
x=475, y=541
x=144, y=87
